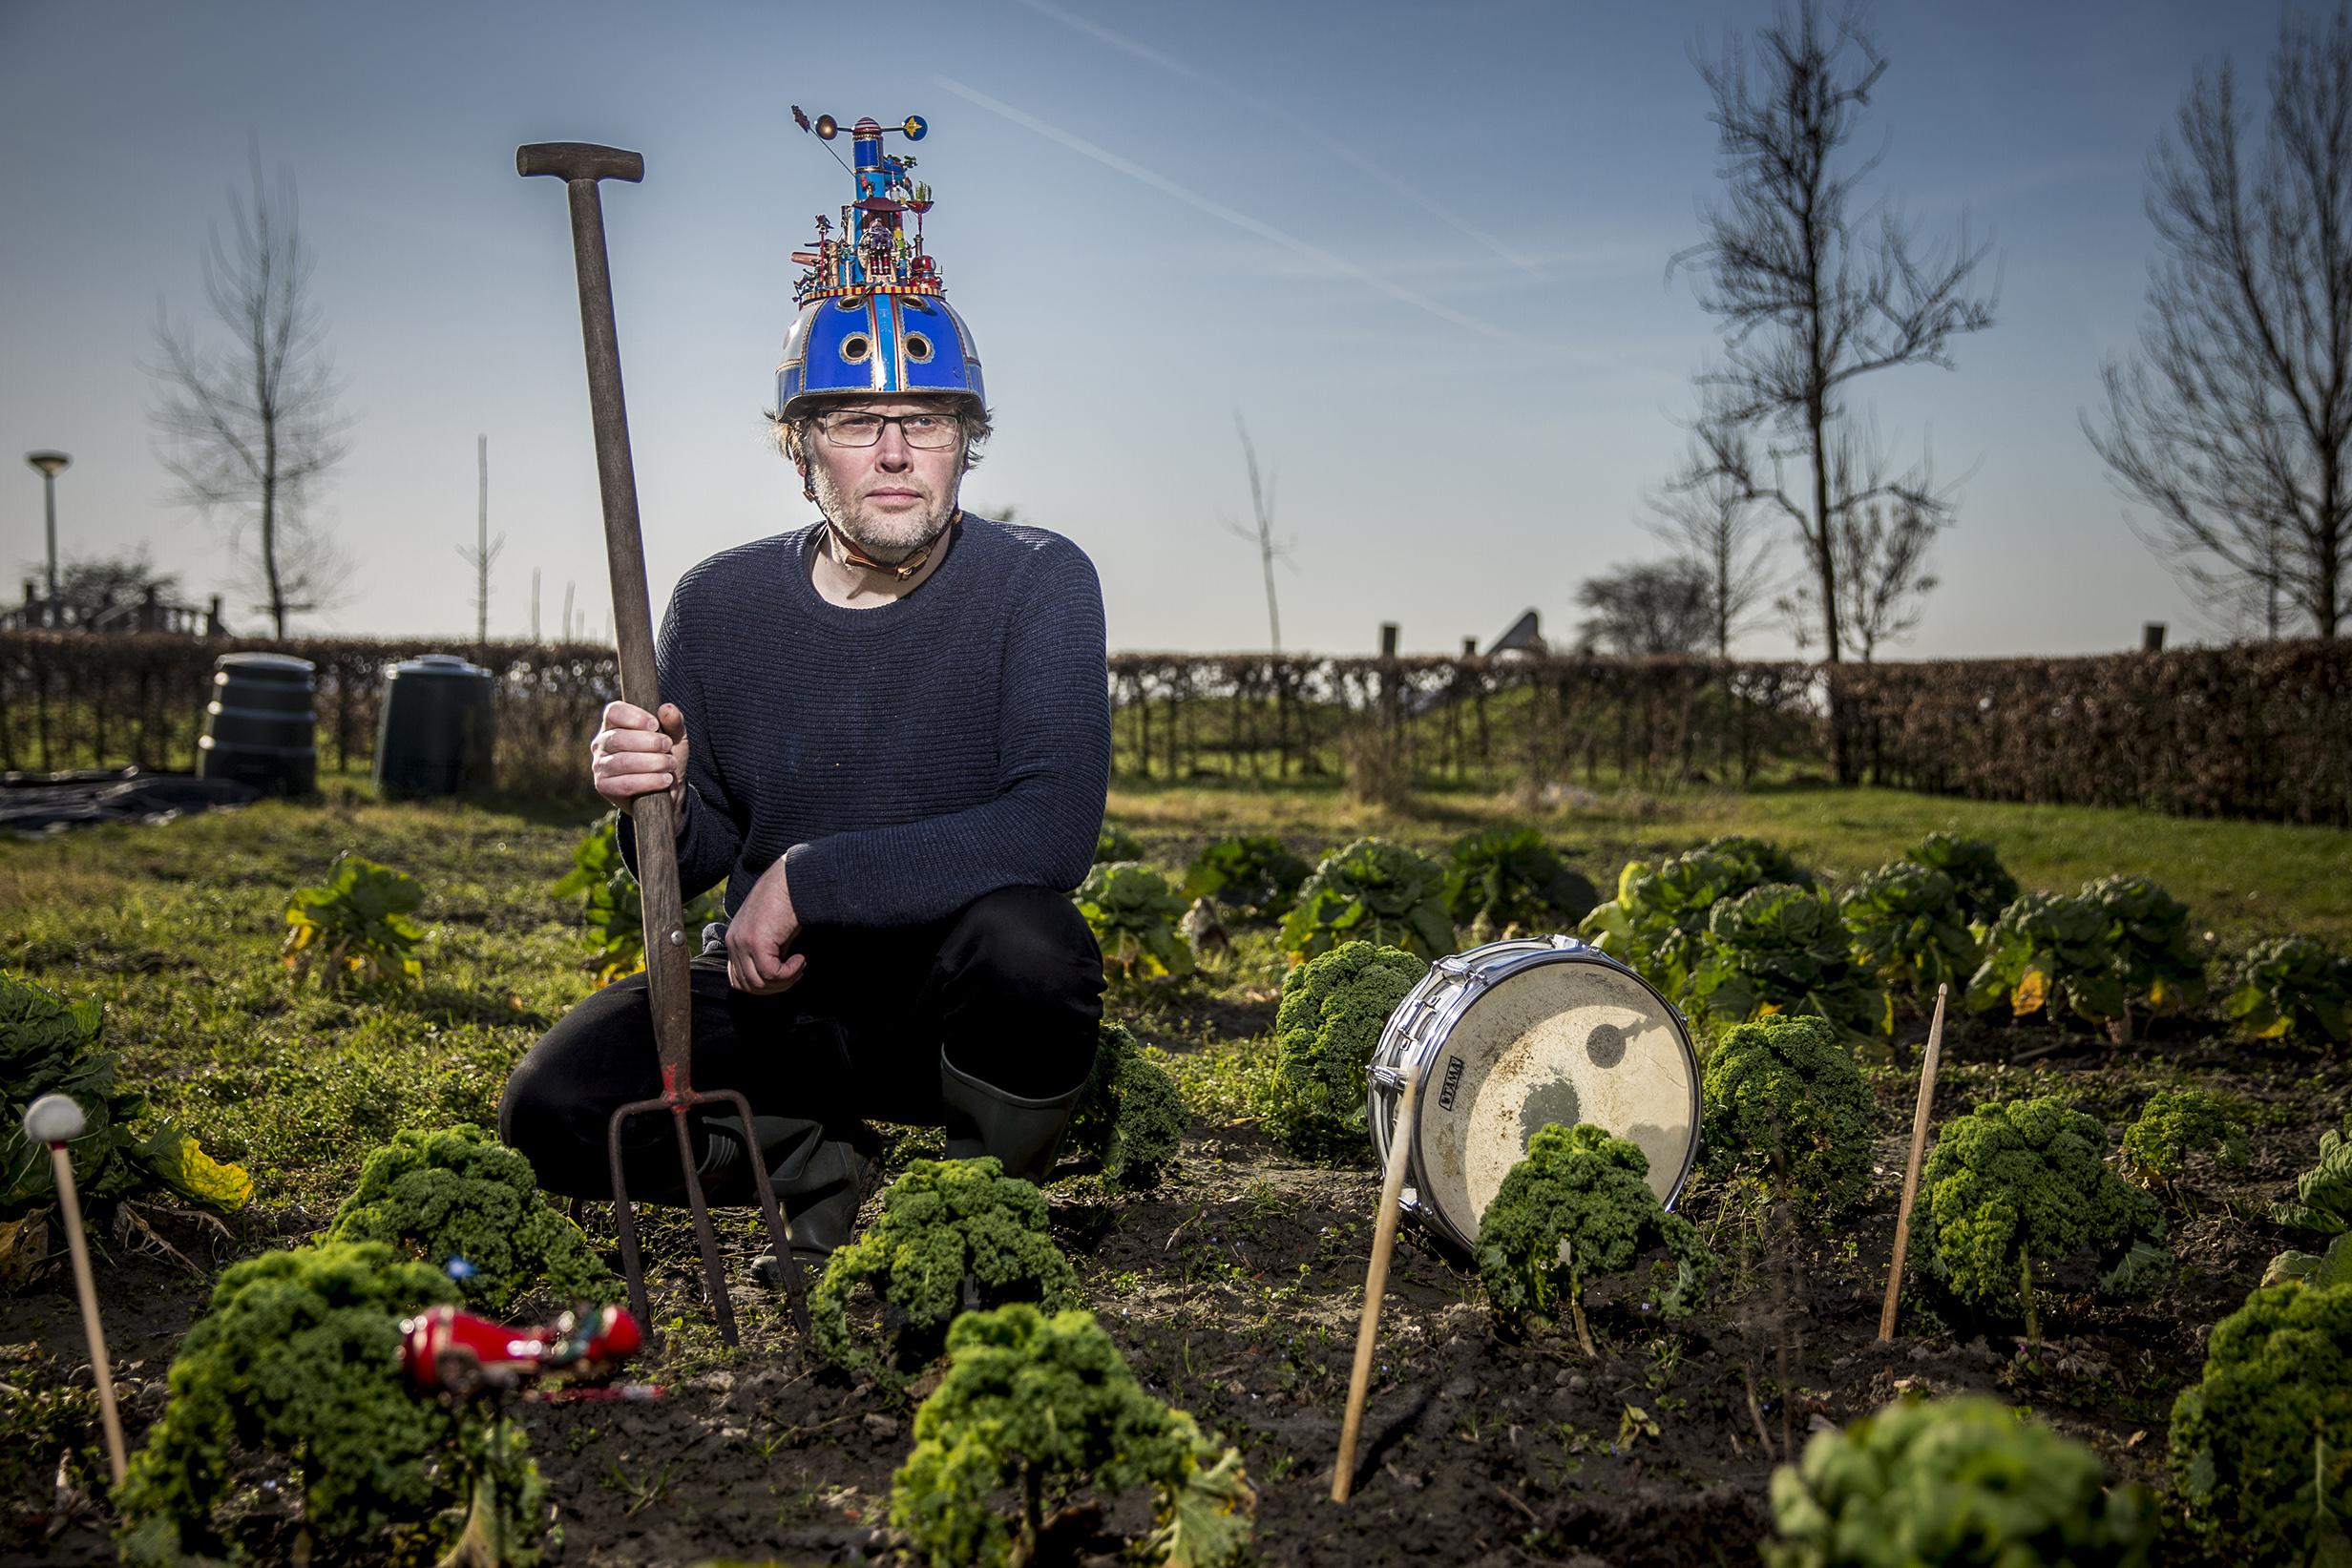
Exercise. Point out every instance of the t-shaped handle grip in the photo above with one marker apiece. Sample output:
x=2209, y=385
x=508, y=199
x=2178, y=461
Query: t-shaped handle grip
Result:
x=580, y=160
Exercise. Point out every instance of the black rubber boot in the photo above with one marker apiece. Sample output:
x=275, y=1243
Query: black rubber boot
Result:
x=1024, y=1135
x=819, y=1181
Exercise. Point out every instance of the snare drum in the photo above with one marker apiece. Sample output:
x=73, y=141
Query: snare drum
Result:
x=1509, y=1036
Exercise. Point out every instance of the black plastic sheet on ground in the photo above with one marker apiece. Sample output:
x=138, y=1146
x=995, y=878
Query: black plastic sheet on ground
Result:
x=37, y=804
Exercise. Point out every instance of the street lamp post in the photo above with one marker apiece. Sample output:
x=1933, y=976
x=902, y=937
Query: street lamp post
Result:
x=50, y=464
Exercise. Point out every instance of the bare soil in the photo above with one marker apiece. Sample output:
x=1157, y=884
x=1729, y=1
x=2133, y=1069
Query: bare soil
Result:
x=1234, y=1287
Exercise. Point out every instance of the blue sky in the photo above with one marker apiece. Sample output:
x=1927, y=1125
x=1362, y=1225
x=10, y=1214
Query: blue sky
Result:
x=1422, y=250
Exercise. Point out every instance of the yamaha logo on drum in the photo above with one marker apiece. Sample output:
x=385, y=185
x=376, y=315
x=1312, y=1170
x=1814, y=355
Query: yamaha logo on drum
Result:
x=1453, y=1082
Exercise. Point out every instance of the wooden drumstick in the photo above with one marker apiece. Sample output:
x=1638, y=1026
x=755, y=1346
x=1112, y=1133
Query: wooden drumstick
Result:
x=56, y=1121
x=1911, y=1172
x=1375, y=1285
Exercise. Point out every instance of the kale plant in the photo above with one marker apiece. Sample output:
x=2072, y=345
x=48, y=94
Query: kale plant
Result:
x=1657, y=923
x=49, y=1046
x=1509, y=876
x=1980, y=882
x=2323, y=1193
x=2047, y=950
x=616, y=907
x=1784, y=1099
x=2010, y=1185
x=1131, y=1116
x=1781, y=949
x=2318, y=1270
x=2177, y=1122
x=1334, y=1008
x=1908, y=926
x=1579, y=1207
x=356, y=926
x=1116, y=843
x=1133, y=911
x=1253, y=877
x=460, y=1193
x=2293, y=988
x=2151, y=940
x=299, y=1354
x=1954, y=1482
x=2262, y=1447
x=1371, y=891
x=1041, y=1406
x=943, y=1221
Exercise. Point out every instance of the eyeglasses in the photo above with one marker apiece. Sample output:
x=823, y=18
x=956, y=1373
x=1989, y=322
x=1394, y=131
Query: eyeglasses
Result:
x=857, y=427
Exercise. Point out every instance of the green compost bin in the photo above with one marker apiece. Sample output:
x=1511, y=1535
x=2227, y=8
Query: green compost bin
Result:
x=260, y=727
x=435, y=738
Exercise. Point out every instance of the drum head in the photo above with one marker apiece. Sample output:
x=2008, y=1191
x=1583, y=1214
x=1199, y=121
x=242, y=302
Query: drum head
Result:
x=1568, y=1041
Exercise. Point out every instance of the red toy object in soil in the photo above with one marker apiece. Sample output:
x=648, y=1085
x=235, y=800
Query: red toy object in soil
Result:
x=445, y=1350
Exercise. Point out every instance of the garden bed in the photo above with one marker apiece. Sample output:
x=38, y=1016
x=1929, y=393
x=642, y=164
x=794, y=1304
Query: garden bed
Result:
x=1234, y=1286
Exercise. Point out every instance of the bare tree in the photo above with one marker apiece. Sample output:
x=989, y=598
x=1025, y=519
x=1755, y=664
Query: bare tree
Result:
x=1261, y=507
x=1658, y=607
x=485, y=552
x=2234, y=421
x=1716, y=527
x=1816, y=290
x=250, y=426
x=1883, y=576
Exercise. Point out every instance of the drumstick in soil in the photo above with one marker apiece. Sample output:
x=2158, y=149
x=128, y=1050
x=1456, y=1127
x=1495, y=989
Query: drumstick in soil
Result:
x=56, y=1121
x=1375, y=1285
x=1911, y=1172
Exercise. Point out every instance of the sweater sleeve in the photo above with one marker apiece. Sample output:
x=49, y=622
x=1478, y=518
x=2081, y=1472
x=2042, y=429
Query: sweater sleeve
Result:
x=1054, y=752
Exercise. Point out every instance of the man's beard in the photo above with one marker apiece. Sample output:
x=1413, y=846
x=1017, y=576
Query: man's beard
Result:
x=889, y=537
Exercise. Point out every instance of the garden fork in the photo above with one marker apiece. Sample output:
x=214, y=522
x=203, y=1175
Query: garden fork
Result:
x=668, y=978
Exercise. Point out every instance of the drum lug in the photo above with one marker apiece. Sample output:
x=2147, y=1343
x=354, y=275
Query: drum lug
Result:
x=1454, y=965
x=1388, y=1078
x=1561, y=943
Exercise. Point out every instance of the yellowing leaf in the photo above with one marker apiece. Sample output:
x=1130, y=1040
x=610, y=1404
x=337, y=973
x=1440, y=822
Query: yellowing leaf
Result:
x=2032, y=992
x=195, y=1175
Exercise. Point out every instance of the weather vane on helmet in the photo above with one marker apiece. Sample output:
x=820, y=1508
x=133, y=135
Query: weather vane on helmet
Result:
x=873, y=316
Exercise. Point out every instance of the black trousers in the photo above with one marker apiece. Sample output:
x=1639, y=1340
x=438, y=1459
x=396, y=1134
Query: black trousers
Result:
x=1010, y=987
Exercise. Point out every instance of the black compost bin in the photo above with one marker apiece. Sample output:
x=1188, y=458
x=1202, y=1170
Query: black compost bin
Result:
x=259, y=727
x=436, y=734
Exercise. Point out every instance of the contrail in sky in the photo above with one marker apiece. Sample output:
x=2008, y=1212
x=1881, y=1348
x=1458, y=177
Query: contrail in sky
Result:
x=1347, y=155
x=1240, y=220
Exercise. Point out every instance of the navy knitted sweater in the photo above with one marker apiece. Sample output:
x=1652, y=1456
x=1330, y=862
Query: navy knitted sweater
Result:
x=904, y=760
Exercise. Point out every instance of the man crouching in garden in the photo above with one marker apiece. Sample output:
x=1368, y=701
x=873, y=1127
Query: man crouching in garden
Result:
x=890, y=734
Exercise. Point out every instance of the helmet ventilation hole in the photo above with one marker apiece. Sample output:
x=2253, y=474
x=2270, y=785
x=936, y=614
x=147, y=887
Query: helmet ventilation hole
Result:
x=855, y=348
x=919, y=348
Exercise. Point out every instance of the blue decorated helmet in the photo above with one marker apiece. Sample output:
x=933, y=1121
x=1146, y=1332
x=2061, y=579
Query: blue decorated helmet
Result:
x=874, y=315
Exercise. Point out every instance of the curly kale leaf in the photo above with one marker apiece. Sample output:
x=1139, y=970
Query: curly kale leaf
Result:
x=2293, y=988
x=1980, y=882
x=1130, y=1116
x=1334, y=1008
x=2047, y=951
x=299, y=1354
x=2150, y=939
x=941, y=1221
x=1371, y=891
x=1784, y=1097
x=1908, y=926
x=1509, y=876
x=49, y=1046
x=1579, y=1207
x=2010, y=1185
x=2323, y=1193
x=1657, y=923
x=1782, y=949
x=2270, y=1422
x=460, y=1193
x=615, y=907
x=1041, y=1406
x=1133, y=911
x=2177, y=1122
x=1253, y=877
x=1953, y=1481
